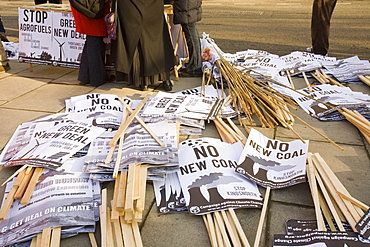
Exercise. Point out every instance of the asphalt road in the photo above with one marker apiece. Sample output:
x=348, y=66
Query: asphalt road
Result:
x=275, y=26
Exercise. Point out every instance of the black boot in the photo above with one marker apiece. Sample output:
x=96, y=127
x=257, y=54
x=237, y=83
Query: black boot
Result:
x=167, y=85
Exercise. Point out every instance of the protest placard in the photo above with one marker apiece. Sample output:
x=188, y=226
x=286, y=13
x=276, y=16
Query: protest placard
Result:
x=58, y=200
x=273, y=163
x=208, y=179
x=53, y=146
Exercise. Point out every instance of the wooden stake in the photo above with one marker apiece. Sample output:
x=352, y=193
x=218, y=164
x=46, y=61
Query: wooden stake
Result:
x=326, y=212
x=221, y=226
x=115, y=212
x=38, y=239
x=239, y=228
x=46, y=235
x=137, y=235
x=103, y=218
x=92, y=240
x=262, y=218
x=290, y=79
x=219, y=237
x=129, y=200
x=31, y=185
x=25, y=181
x=306, y=80
x=331, y=188
x=233, y=235
x=128, y=236
x=140, y=202
x=34, y=242
x=109, y=230
x=315, y=195
x=121, y=194
x=354, y=201
x=119, y=157
x=55, y=237
x=14, y=174
x=211, y=229
x=126, y=123
x=329, y=201
x=10, y=197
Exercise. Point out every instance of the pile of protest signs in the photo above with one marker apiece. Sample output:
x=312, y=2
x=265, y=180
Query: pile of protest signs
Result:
x=100, y=137
x=261, y=85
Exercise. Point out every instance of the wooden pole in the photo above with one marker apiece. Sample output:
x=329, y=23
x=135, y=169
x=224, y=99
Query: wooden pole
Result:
x=46, y=236
x=55, y=237
x=126, y=123
x=31, y=185
x=329, y=201
x=262, y=218
x=239, y=228
x=315, y=195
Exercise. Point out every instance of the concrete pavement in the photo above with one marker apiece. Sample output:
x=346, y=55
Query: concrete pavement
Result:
x=26, y=95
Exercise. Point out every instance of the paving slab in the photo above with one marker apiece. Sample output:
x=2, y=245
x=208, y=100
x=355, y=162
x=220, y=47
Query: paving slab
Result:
x=279, y=213
x=321, y=130
x=68, y=78
x=11, y=118
x=180, y=229
x=47, y=98
x=12, y=87
x=46, y=72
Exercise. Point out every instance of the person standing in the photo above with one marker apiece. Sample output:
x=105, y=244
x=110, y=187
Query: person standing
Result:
x=92, y=65
x=322, y=11
x=143, y=47
x=188, y=13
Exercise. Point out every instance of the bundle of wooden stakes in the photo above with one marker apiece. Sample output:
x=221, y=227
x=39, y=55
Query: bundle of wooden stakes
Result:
x=23, y=187
x=323, y=78
x=331, y=199
x=253, y=96
x=361, y=123
x=365, y=79
x=224, y=229
x=120, y=223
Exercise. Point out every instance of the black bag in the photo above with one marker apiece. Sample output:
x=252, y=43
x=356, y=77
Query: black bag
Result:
x=90, y=8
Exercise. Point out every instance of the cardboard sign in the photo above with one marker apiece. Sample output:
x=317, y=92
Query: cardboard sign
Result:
x=49, y=38
x=208, y=178
x=273, y=163
x=363, y=226
x=52, y=147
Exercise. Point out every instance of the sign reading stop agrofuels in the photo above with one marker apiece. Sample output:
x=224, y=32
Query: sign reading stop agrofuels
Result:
x=49, y=37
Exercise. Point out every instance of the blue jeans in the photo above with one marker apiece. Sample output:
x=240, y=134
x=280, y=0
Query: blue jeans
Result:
x=193, y=42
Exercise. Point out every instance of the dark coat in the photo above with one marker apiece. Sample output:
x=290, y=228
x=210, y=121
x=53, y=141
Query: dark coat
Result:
x=141, y=27
x=187, y=11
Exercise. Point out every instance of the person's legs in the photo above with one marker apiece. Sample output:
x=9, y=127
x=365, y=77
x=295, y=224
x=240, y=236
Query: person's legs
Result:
x=83, y=73
x=92, y=66
x=322, y=11
x=55, y=1
x=40, y=1
x=193, y=42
